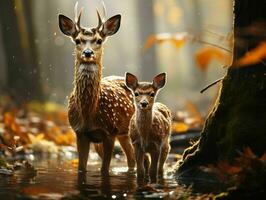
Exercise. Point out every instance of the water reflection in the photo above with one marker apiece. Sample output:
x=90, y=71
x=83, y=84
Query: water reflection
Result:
x=59, y=179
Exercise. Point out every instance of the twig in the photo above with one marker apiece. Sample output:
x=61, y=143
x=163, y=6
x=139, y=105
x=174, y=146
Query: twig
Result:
x=211, y=84
x=215, y=45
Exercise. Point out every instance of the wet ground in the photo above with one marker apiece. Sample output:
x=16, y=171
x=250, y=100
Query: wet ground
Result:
x=57, y=178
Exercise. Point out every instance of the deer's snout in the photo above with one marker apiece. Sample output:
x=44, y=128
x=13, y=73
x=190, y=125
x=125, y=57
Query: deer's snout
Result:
x=144, y=103
x=87, y=53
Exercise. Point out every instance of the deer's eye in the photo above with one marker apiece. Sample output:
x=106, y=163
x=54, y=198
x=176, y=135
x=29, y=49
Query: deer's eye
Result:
x=77, y=41
x=152, y=94
x=136, y=94
x=99, y=42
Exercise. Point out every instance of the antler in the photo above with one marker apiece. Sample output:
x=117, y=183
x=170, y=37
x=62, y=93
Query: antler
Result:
x=77, y=16
x=101, y=19
x=104, y=11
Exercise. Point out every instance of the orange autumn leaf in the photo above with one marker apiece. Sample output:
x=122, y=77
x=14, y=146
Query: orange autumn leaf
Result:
x=248, y=153
x=222, y=169
x=179, y=127
x=75, y=162
x=263, y=157
x=8, y=118
x=227, y=168
x=177, y=39
x=252, y=57
x=205, y=55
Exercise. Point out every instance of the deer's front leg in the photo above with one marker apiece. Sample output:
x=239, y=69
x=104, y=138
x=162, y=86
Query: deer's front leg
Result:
x=140, y=161
x=83, y=145
x=108, y=146
x=154, y=165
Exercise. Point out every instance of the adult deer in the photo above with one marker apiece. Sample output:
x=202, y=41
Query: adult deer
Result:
x=99, y=108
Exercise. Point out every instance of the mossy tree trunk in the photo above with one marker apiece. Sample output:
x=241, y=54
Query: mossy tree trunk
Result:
x=238, y=119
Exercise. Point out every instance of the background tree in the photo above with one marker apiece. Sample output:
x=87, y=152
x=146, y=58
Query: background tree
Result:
x=20, y=52
x=146, y=16
x=238, y=118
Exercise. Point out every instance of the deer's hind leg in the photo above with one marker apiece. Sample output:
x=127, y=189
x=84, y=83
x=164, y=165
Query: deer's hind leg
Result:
x=127, y=147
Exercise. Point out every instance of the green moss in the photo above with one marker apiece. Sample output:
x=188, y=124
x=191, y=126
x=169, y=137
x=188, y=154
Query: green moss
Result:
x=2, y=162
x=237, y=120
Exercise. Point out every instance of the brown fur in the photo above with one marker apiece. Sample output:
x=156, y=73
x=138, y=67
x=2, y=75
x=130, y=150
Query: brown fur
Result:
x=150, y=131
x=99, y=108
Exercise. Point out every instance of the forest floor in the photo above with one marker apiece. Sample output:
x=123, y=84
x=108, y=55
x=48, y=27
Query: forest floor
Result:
x=38, y=159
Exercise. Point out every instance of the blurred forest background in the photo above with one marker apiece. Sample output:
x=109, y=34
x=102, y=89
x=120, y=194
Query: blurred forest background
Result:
x=36, y=61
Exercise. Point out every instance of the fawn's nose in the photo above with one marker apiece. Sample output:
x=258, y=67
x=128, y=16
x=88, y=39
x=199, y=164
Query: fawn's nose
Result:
x=88, y=53
x=144, y=104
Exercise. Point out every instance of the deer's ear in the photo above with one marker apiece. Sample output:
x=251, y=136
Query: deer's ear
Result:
x=131, y=81
x=159, y=81
x=112, y=25
x=67, y=26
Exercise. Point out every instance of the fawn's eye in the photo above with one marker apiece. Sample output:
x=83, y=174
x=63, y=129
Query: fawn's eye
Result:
x=136, y=94
x=99, y=42
x=77, y=41
x=152, y=94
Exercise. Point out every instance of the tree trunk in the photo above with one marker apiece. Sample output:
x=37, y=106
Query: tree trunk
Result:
x=146, y=28
x=238, y=119
x=19, y=45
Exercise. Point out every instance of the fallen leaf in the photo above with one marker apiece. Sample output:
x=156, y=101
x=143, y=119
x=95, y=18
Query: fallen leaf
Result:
x=247, y=152
x=263, y=157
x=75, y=161
x=227, y=168
x=179, y=127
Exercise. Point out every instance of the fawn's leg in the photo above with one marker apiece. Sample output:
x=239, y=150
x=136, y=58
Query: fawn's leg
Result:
x=83, y=145
x=140, y=162
x=147, y=164
x=127, y=146
x=108, y=146
x=163, y=156
x=154, y=165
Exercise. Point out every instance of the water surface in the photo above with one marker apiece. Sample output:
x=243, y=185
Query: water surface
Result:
x=57, y=178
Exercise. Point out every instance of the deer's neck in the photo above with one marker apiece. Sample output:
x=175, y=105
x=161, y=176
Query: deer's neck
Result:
x=144, y=120
x=87, y=88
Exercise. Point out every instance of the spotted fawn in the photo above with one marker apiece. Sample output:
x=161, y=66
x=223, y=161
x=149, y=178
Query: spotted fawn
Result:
x=99, y=108
x=149, y=127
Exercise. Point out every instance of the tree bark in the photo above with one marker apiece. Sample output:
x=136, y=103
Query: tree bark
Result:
x=238, y=118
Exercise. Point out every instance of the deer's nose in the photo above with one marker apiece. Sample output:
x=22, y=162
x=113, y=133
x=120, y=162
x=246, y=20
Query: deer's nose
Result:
x=88, y=53
x=144, y=104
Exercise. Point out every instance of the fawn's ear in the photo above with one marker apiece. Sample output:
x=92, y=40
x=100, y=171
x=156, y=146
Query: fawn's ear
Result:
x=159, y=81
x=67, y=26
x=131, y=81
x=111, y=26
